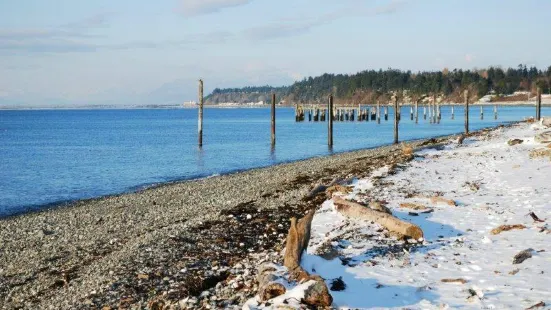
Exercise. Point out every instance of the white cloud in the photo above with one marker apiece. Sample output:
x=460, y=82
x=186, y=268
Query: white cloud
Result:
x=200, y=7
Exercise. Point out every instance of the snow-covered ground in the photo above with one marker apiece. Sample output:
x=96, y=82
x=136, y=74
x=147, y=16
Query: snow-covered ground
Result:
x=492, y=183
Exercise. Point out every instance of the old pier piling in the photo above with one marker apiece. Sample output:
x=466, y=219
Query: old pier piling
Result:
x=200, y=115
x=538, y=105
x=466, y=112
x=330, y=122
x=396, y=119
x=273, y=122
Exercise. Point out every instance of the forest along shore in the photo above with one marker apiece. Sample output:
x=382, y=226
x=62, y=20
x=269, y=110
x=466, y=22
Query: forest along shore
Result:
x=166, y=243
x=484, y=206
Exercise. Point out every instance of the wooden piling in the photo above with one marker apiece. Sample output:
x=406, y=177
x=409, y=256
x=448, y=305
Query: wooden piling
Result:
x=466, y=112
x=430, y=112
x=330, y=122
x=396, y=119
x=453, y=114
x=274, y=119
x=538, y=105
x=200, y=116
x=417, y=111
x=481, y=113
x=424, y=112
x=411, y=112
x=495, y=111
x=378, y=113
x=438, y=113
x=386, y=112
x=434, y=103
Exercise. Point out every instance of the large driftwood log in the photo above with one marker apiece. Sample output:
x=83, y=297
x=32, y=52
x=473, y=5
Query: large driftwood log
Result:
x=355, y=210
x=297, y=241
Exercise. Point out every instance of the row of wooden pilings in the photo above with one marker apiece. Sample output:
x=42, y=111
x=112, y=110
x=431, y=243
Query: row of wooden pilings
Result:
x=365, y=114
x=316, y=114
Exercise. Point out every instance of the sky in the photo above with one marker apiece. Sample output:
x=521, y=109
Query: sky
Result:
x=67, y=52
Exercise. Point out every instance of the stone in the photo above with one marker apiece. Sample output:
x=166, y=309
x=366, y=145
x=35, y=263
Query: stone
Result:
x=317, y=294
x=522, y=256
x=546, y=121
x=544, y=137
x=514, y=142
x=271, y=290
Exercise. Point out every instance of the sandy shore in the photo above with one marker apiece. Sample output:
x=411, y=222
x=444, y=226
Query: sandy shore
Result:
x=125, y=250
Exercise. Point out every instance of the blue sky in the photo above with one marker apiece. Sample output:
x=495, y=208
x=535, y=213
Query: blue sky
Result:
x=122, y=52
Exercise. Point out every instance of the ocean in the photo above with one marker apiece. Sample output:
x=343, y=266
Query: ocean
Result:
x=52, y=156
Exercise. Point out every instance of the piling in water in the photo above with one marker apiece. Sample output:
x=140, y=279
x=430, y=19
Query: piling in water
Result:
x=538, y=105
x=330, y=122
x=396, y=119
x=200, y=116
x=273, y=131
x=466, y=112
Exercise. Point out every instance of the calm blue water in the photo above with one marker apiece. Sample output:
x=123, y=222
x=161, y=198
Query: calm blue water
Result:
x=58, y=155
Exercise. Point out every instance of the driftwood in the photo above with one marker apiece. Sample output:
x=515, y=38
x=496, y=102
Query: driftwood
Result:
x=535, y=217
x=458, y=280
x=298, y=237
x=413, y=206
x=438, y=199
x=297, y=242
x=378, y=206
x=498, y=230
x=355, y=210
x=337, y=188
x=540, y=304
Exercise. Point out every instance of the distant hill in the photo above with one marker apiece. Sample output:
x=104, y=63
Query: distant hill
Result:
x=370, y=85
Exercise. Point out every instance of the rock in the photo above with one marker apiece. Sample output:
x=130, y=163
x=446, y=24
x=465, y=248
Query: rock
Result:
x=271, y=290
x=514, y=142
x=522, y=256
x=338, y=284
x=544, y=137
x=546, y=121
x=317, y=294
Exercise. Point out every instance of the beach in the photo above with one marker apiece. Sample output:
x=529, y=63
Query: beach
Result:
x=124, y=250
x=194, y=244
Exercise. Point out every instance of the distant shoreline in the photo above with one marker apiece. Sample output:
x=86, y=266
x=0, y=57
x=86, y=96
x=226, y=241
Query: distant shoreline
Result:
x=545, y=103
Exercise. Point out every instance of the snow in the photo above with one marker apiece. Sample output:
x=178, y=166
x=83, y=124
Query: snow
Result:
x=382, y=272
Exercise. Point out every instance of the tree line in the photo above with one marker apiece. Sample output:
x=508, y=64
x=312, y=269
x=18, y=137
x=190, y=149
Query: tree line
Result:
x=375, y=83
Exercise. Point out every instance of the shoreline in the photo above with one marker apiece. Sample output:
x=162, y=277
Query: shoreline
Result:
x=38, y=208
x=544, y=103
x=102, y=252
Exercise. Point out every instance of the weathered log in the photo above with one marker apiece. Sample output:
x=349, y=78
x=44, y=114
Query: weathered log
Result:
x=297, y=242
x=298, y=237
x=458, y=280
x=438, y=199
x=378, y=206
x=337, y=188
x=535, y=217
x=498, y=230
x=355, y=210
x=414, y=206
x=540, y=304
